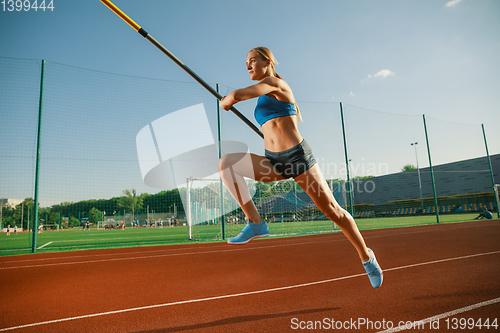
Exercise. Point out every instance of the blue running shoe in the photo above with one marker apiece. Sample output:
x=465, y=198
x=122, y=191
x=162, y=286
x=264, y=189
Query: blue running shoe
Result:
x=251, y=231
x=374, y=271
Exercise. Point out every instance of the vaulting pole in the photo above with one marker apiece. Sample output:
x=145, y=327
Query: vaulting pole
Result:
x=143, y=33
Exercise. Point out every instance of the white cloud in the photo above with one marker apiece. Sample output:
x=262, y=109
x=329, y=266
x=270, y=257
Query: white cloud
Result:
x=345, y=95
x=384, y=73
x=452, y=3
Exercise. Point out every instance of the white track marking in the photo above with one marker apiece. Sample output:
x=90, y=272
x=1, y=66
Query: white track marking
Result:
x=201, y=252
x=113, y=252
x=44, y=245
x=444, y=315
x=164, y=255
x=236, y=295
x=229, y=248
x=442, y=260
x=182, y=302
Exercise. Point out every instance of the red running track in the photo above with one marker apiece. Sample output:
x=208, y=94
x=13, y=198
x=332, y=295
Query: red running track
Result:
x=438, y=275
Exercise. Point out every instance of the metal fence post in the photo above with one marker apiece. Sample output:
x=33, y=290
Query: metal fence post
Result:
x=219, y=138
x=491, y=172
x=37, y=170
x=348, y=183
x=432, y=172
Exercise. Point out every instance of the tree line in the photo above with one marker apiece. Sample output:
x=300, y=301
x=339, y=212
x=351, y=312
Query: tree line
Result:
x=93, y=210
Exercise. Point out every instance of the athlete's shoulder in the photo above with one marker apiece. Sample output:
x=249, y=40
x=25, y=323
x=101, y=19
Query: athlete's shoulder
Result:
x=272, y=81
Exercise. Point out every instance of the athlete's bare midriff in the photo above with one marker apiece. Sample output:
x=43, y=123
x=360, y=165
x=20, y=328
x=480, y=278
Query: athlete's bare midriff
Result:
x=281, y=133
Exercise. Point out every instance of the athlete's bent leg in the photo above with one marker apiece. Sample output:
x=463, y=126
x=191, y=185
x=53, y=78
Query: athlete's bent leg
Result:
x=234, y=167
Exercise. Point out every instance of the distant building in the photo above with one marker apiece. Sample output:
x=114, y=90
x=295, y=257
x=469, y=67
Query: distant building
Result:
x=451, y=179
x=10, y=202
x=457, y=184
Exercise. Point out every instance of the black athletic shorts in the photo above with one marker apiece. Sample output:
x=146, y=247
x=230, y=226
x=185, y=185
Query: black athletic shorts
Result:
x=294, y=161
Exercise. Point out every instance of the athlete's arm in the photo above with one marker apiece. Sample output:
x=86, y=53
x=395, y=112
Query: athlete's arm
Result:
x=266, y=86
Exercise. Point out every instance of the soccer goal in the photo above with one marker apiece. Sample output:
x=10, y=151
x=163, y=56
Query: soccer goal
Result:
x=204, y=206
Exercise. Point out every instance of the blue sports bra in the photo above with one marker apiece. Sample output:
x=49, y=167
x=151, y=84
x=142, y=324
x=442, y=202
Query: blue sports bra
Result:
x=269, y=108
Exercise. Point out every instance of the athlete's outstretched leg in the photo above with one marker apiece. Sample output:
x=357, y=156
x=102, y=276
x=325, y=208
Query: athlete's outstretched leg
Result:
x=315, y=185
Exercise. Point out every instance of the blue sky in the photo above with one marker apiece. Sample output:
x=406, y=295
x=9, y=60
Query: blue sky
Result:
x=438, y=58
x=441, y=59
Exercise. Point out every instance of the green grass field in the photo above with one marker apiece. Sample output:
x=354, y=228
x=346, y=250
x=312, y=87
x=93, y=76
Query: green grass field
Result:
x=77, y=239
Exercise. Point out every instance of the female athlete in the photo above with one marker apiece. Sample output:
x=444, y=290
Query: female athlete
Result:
x=287, y=155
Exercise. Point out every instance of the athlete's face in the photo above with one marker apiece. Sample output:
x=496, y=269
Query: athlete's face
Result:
x=257, y=66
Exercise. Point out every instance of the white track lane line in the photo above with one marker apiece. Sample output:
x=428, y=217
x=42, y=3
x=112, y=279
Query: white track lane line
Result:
x=191, y=253
x=162, y=248
x=44, y=245
x=235, y=295
x=229, y=248
x=442, y=316
x=168, y=249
